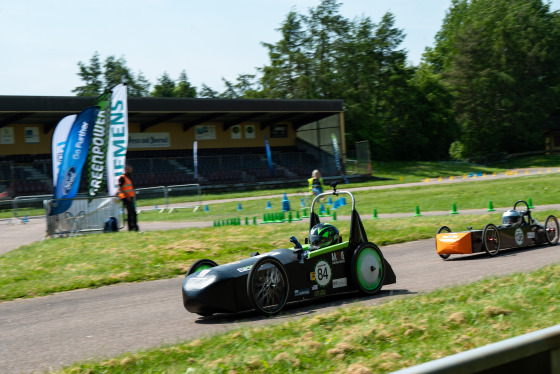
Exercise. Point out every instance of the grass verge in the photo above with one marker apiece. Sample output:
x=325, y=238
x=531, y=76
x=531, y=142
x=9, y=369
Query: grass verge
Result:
x=364, y=339
x=88, y=261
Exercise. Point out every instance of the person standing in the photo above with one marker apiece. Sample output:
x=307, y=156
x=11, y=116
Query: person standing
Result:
x=316, y=185
x=126, y=194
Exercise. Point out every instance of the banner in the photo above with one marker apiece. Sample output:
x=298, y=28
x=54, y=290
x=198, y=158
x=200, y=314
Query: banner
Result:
x=337, y=160
x=73, y=159
x=195, y=159
x=96, y=162
x=60, y=136
x=268, y=155
x=118, y=137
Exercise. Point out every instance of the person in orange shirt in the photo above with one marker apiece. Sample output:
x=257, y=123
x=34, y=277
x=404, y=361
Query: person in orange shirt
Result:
x=126, y=194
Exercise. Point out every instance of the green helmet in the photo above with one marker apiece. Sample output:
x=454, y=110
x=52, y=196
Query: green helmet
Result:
x=322, y=235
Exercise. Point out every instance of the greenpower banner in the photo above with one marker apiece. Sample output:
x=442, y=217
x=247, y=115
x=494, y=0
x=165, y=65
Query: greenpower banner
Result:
x=107, y=152
x=97, y=157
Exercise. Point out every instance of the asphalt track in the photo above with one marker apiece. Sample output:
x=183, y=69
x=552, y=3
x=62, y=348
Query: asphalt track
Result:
x=45, y=333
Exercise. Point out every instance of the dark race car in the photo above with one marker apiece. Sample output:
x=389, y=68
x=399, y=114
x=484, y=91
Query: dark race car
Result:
x=518, y=229
x=266, y=282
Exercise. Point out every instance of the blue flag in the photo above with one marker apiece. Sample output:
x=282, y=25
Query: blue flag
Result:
x=268, y=155
x=73, y=159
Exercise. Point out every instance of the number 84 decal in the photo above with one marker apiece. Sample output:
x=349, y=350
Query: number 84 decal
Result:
x=322, y=274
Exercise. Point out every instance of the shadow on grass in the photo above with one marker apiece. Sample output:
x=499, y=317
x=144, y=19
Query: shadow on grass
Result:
x=305, y=307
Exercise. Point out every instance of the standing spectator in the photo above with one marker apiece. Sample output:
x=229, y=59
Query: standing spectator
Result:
x=126, y=194
x=316, y=185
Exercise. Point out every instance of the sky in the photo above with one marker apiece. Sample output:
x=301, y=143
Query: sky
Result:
x=42, y=41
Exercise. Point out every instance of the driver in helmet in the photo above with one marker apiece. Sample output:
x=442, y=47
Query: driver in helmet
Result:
x=511, y=218
x=320, y=236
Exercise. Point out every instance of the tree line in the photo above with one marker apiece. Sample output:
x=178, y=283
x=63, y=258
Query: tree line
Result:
x=490, y=84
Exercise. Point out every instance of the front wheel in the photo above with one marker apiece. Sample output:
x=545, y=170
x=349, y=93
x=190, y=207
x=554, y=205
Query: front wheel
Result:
x=551, y=229
x=443, y=229
x=201, y=265
x=491, y=239
x=268, y=286
x=368, y=272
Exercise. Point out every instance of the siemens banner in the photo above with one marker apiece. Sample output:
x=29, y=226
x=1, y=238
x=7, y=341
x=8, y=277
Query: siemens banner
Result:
x=118, y=137
x=73, y=159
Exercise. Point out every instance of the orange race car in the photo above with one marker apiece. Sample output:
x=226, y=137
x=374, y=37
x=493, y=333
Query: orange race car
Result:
x=518, y=229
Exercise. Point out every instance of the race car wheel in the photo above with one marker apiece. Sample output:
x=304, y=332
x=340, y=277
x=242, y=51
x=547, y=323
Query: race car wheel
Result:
x=491, y=239
x=551, y=229
x=268, y=286
x=367, y=269
x=201, y=265
x=443, y=229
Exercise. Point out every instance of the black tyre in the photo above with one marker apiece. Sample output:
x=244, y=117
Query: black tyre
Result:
x=368, y=271
x=491, y=239
x=444, y=229
x=551, y=230
x=201, y=265
x=268, y=286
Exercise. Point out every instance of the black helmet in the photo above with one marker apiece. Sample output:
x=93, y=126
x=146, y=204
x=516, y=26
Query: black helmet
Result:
x=511, y=218
x=322, y=235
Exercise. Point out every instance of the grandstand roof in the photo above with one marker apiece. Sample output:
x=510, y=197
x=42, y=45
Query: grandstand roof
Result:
x=148, y=112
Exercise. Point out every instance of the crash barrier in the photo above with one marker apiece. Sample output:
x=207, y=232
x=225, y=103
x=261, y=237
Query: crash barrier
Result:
x=23, y=205
x=170, y=197
x=83, y=215
x=535, y=352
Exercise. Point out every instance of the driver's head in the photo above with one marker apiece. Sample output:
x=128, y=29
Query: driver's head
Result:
x=511, y=218
x=322, y=235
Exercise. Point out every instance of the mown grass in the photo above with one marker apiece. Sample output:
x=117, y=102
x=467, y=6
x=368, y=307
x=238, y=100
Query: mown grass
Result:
x=541, y=189
x=364, y=339
x=96, y=260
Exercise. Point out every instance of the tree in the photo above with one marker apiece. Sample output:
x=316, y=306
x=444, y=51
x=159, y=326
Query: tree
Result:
x=500, y=60
x=101, y=77
x=183, y=87
x=92, y=77
x=165, y=87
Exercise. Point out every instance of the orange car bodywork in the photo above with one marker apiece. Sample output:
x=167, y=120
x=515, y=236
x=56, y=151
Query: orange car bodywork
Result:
x=448, y=243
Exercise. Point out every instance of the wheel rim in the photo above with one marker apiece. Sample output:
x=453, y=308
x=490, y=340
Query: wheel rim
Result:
x=369, y=269
x=551, y=228
x=269, y=288
x=491, y=240
x=202, y=267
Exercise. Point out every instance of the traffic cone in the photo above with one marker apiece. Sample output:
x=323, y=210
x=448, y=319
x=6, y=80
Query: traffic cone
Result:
x=490, y=206
x=454, y=209
x=268, y=206
x=417, y=211
x=375, y=213
x=530, y=204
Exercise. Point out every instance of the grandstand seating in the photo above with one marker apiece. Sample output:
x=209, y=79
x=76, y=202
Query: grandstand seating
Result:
x=174, y=167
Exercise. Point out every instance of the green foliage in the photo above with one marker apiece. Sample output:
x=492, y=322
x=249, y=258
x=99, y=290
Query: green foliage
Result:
x=456, y=150
x=99, y=77
x=499, y=58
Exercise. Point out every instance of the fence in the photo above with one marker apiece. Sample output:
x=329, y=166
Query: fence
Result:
x=535, y=352
x=84, y=215
x=170, y=197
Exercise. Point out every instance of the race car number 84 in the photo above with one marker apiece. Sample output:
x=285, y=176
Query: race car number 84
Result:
x=322, y=273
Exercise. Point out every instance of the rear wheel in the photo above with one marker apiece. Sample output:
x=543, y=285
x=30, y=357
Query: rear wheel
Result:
x=491, y=239
x=201, y=265
x=551, y=229
x=367, y=269
x=268, y=286
x=443, y=229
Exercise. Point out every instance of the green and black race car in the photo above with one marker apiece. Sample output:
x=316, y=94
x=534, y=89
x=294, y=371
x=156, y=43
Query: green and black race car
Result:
x=325, y=265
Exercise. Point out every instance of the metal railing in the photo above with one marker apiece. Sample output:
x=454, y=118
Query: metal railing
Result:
x=535, y=352
x=84, y=215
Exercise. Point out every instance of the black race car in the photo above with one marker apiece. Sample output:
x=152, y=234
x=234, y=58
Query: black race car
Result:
x=518, y=229
x=266, y=282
